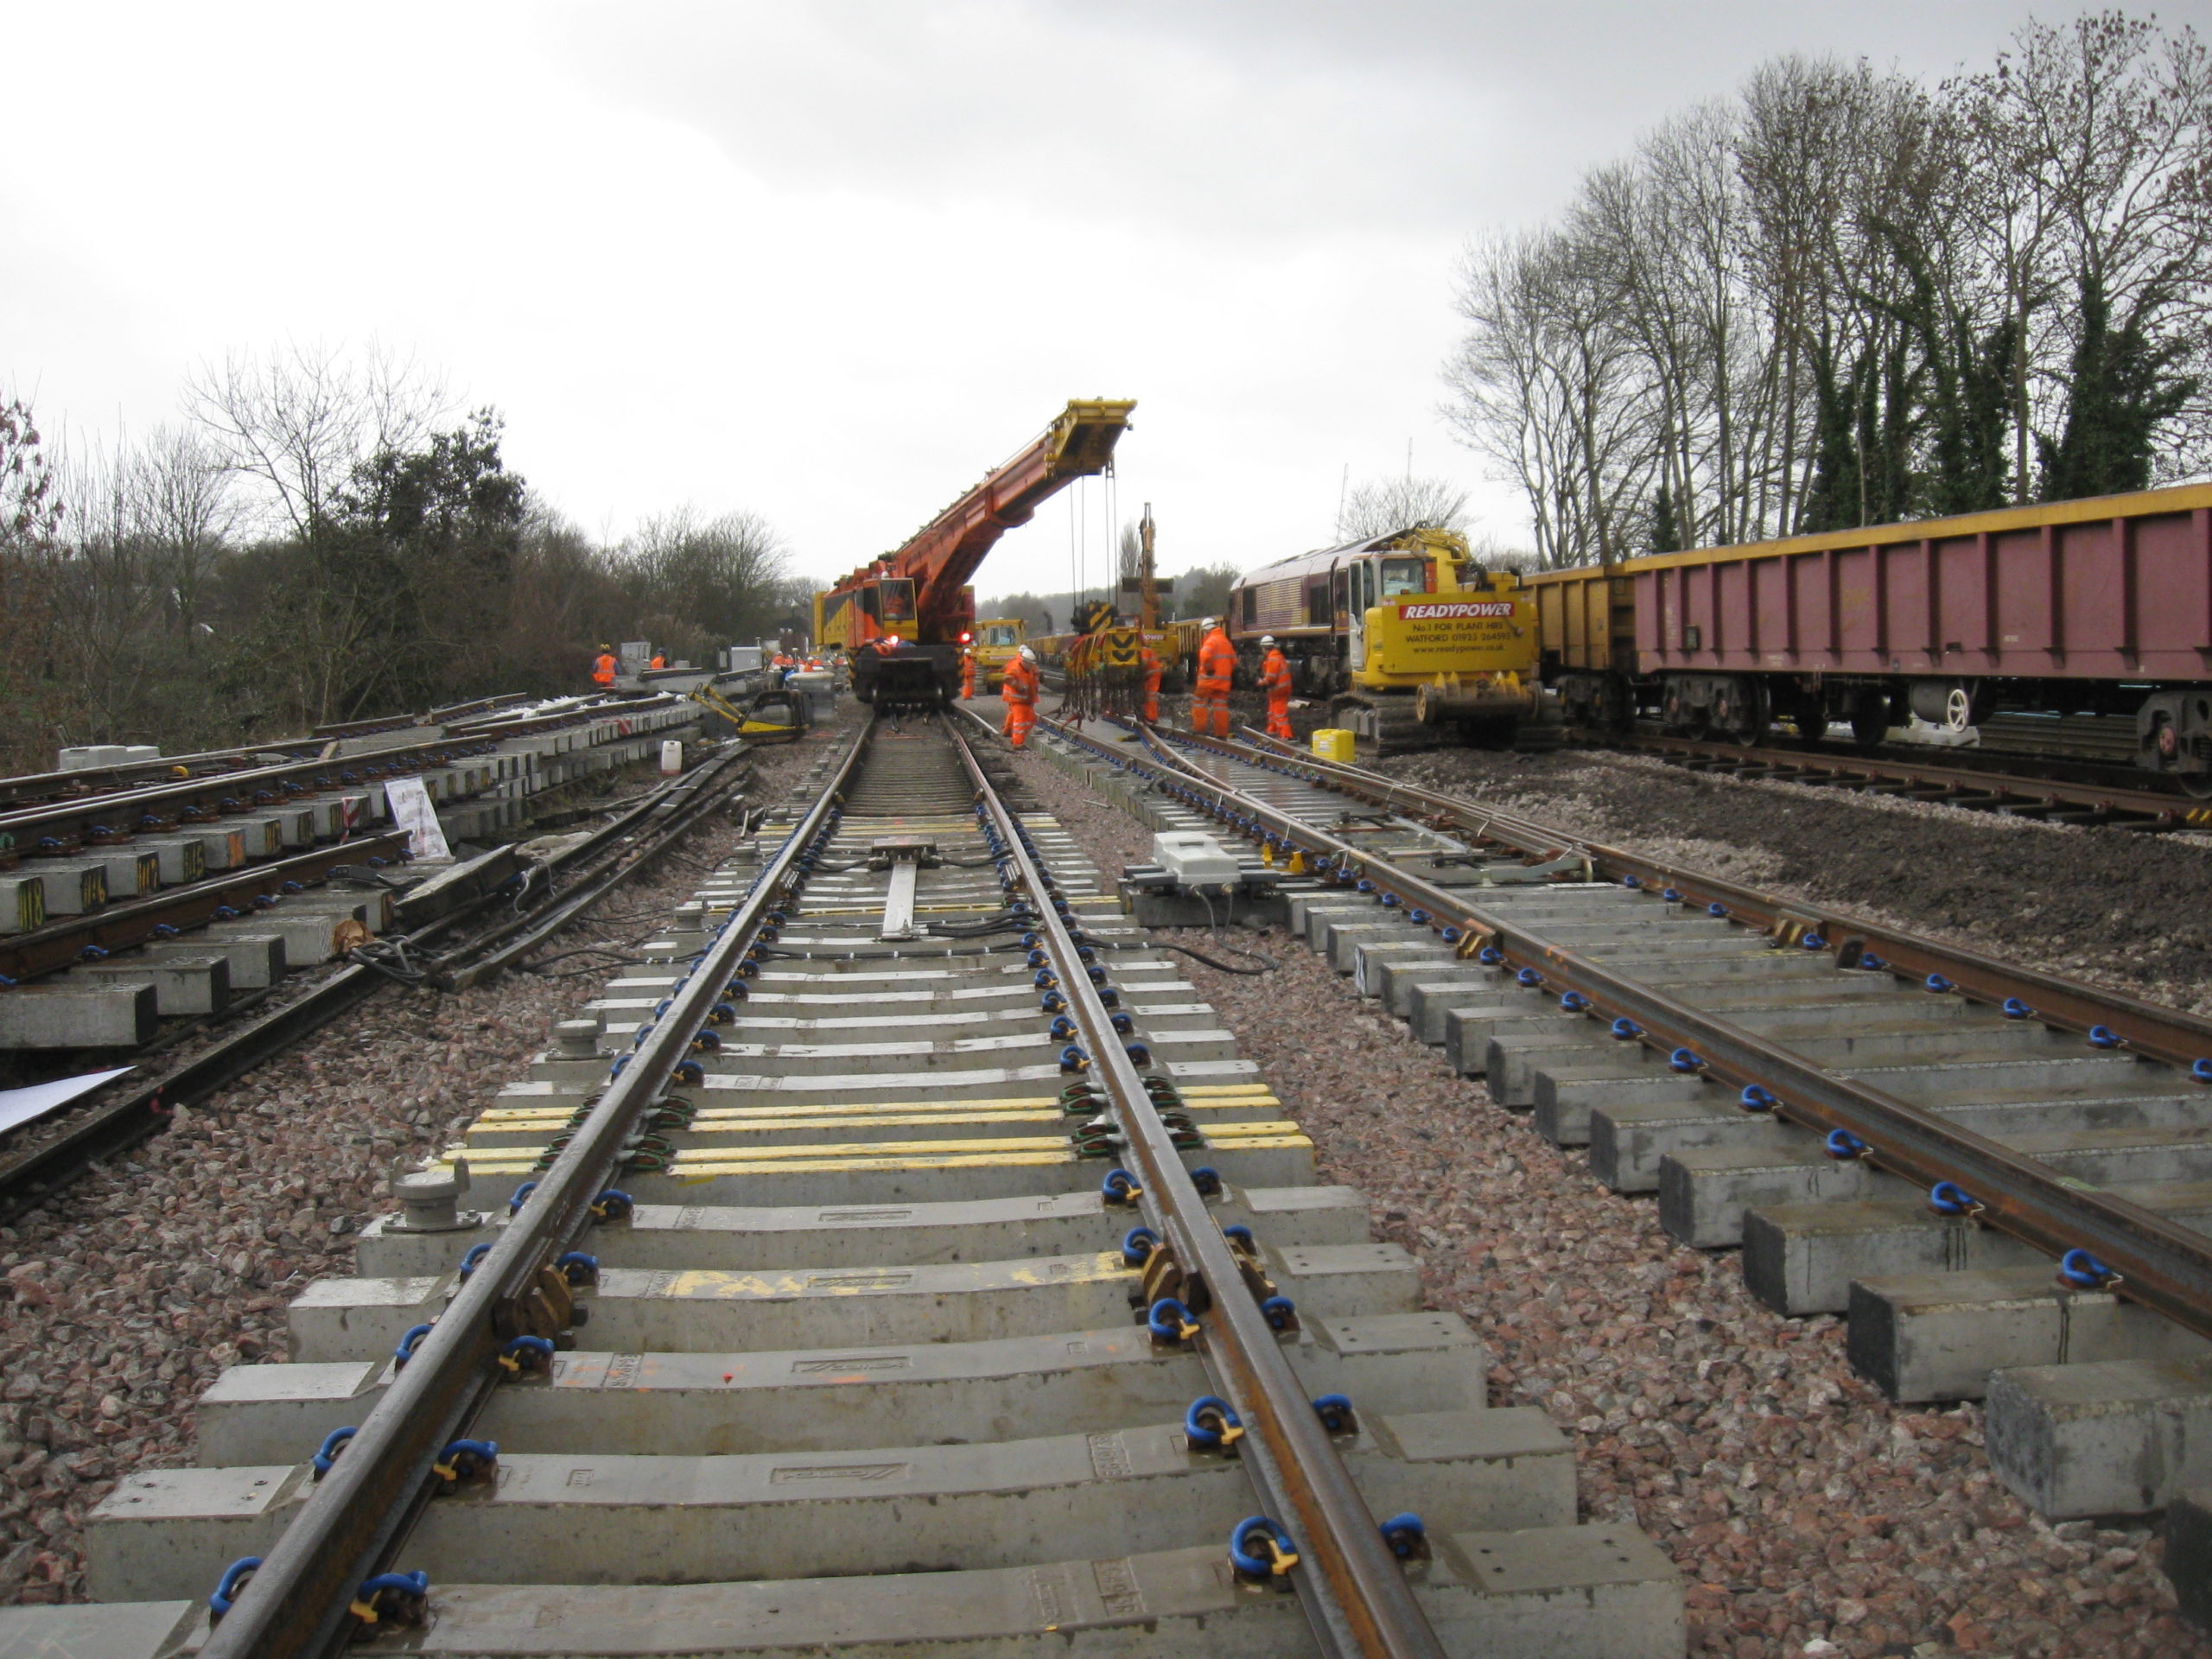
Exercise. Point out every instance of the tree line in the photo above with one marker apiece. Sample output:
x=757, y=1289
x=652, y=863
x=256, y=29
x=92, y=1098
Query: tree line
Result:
x=320, y=537
x=1844, y=297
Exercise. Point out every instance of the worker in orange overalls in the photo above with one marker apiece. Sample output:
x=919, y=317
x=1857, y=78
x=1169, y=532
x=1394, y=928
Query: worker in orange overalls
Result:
x=1151, y=661
x=1274, y=680
x=1019, y=687
x=967, y=671
x=605, y=668
x=660, y=660
x=1209, y=691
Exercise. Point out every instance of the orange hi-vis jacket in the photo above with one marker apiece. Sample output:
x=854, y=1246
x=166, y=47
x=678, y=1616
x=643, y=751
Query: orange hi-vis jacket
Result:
x=1151, y=661
x=603, y=670
x=1275, y=676
x=1018, y=684
x=1217, y=662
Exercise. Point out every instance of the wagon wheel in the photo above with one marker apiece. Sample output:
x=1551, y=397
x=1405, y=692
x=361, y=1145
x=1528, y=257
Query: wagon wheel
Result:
x=1870, y=719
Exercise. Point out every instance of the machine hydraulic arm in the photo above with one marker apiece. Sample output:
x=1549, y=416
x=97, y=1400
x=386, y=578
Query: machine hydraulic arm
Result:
x=920, y=593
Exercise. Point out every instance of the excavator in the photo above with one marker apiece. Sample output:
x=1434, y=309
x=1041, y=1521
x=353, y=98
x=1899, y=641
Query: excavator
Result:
x=902, y=620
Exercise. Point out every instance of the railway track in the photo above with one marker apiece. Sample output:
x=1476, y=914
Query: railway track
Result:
x=2055, y=788
x=1996, y=1175
x=925, y=1272
x=209, y=921
x=463, y=925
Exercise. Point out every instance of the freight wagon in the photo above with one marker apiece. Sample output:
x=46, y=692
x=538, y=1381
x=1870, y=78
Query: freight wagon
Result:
x=2101, y=605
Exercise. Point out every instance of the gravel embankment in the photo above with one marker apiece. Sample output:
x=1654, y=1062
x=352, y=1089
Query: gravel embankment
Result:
x=2117, y=907
x=128, y=1292
x=1807, y=1514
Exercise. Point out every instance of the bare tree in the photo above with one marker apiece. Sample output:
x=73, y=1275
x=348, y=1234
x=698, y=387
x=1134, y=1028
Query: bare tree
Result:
x=2102, y=131
x=297, y=421
x=1381, y=504
x=698, y=581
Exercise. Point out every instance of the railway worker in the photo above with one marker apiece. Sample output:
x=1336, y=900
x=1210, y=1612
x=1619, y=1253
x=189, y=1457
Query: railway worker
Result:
x=660, y=660
x=967, y=671
x=1274, y=680
x=1150, y=659
x=604, y=669
x=1019, y=687
x=1210, y=690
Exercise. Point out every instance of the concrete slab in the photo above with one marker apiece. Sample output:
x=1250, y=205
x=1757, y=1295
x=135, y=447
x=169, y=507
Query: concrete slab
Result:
x=853, y=1397
x=120, y=1013
x=1799, y=1259
x=2115, y=1437
x=73, y=887
x=673, y=1237
x=1606, y=1592
x=130, y=1630
x=677, y=1311
x=1704, y=1196
x=183, y=983
x=1938, y=1336
x=558, y=1518
x=255, y=960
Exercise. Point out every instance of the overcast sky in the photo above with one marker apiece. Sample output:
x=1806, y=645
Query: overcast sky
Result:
x=828, y=261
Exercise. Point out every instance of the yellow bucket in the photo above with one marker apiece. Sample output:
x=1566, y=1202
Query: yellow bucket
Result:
x=1333, y=743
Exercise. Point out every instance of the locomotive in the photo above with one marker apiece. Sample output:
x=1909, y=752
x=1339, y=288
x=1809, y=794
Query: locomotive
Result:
x=1409, y=639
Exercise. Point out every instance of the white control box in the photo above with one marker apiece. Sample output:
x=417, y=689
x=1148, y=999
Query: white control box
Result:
x=1194, y=860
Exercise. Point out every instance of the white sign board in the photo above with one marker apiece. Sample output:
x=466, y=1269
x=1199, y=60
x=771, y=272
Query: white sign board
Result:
x=412, y=812
x=19, y=1106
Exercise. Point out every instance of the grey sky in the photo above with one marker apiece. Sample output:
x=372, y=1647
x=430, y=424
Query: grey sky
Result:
x=828, y=262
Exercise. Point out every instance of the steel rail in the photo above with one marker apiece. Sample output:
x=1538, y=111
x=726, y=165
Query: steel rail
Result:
x=128, y=1111
x=355, y=1519
x=2170, y=1034
x=288, y=782
x=1959, y=783
x=615, y=858
x=130, y=922
x=2162, y=1265
x=1357, y=1597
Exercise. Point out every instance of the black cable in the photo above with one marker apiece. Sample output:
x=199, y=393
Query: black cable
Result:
x=388, y=958
x=1004, y=922
x=1224, y=967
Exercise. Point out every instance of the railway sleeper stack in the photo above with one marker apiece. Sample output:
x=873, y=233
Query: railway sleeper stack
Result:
x=117, y=1000
x=868, y=1367
x=2097, y=1407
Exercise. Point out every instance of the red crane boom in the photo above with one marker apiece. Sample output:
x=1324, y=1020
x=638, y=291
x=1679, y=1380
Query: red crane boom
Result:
x=920, y=597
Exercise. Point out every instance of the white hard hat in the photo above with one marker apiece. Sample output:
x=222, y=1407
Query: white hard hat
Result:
x=1027, y=655
x=1268, y=640
x=1210, y=622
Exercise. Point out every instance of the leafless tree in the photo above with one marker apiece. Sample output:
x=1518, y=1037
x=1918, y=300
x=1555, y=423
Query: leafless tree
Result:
x=296, y=421
x=1382, y=504
x=2099, y=135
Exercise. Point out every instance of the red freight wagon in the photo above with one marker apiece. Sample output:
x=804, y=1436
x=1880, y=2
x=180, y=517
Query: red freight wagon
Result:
x=2101, y=605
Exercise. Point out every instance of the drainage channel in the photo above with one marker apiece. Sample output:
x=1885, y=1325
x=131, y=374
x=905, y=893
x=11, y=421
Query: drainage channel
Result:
x=1696, y=1048
x=965, y=1293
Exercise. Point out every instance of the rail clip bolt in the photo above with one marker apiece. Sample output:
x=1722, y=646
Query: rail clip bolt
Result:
x=2082, y=1271
x=1258, y=1548
x=1949, y=1199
